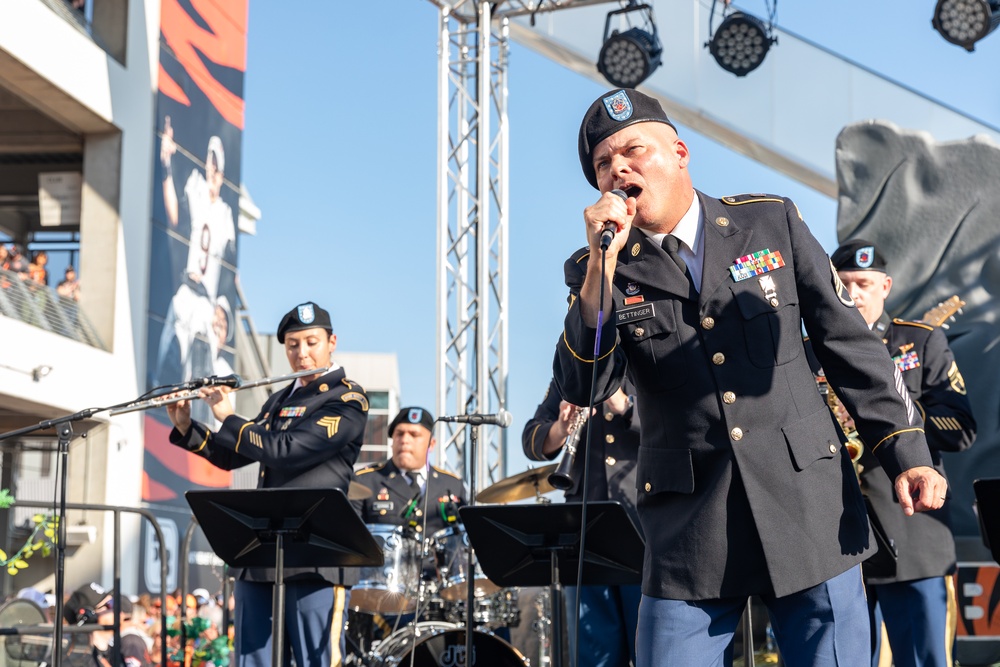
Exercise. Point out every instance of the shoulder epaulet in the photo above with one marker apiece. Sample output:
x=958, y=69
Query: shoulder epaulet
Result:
x=445, y=472
x=908, y=323
x=372, y=468
x=737, y=200
x=352, y=385
x=580, y=255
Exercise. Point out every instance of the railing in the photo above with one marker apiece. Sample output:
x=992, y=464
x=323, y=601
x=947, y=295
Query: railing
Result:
x=40, y=306
x=116, y=566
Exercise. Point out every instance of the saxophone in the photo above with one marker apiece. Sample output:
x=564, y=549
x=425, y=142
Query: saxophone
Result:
x=562, y=477
x=855, y=447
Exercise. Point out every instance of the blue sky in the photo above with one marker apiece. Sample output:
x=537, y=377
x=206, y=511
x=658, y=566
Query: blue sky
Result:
x=339, y=153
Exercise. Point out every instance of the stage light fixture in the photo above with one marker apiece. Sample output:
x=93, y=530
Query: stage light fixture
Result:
x=740, y=43
x=628, y=58
x=965, y=22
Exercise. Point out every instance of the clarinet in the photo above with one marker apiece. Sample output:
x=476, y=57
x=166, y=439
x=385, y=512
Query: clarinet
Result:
x=562, y=477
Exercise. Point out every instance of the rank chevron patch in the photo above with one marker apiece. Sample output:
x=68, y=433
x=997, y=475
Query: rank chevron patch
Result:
x=331, y=424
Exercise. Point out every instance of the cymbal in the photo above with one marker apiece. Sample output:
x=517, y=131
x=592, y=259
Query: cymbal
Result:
x=520, y=486
x=358, y=491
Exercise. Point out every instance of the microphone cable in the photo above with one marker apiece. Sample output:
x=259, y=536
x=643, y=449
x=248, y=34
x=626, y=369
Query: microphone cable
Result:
x=585, y=483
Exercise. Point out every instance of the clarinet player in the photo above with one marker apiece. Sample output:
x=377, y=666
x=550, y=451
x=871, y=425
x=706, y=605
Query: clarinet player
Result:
x=608, y=614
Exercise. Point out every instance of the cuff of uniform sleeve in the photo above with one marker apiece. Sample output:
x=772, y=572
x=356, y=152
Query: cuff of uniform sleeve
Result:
x=903, y=450
x=194, y=440
x=580, y=339
x=230, y=432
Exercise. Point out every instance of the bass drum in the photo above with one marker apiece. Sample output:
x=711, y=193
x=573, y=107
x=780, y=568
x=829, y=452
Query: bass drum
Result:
x=433, y=644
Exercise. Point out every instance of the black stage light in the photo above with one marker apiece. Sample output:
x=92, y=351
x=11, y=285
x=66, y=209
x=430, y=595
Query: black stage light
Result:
x=740, y=43
x=965, y=22
x=628, y=58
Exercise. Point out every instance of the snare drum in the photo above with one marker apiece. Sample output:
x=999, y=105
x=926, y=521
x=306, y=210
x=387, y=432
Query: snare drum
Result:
x=453, y=565
x=390, y=588
x=443, y=644
x=496, y=610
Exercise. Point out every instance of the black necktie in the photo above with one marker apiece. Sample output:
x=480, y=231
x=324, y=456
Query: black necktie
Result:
x=671, y=243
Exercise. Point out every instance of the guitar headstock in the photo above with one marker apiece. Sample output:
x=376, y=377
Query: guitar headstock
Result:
x=941, y=314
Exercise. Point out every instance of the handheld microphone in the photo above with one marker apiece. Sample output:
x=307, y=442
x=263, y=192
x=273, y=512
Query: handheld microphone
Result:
x=610, y=227
x=502, y=419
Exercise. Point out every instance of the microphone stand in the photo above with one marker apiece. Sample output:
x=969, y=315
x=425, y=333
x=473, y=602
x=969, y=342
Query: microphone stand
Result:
x=471, y=592
x=65, y=431
x=65, y=434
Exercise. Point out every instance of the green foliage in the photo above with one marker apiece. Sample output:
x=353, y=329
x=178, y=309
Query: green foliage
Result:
x=42, y=537
x=204, y=650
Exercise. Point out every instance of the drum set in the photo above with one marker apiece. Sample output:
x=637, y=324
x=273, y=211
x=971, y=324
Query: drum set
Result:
x=412, y=609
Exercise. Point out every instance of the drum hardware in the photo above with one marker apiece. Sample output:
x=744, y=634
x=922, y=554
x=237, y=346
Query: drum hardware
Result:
x=496, y=610
x=562, y=478
x=531, y=482
x=451, y=545
x=543, y=627
x=443, y=644
x=391, y=588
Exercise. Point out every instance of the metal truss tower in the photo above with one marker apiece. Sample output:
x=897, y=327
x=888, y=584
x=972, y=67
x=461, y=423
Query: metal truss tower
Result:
x=472, y=211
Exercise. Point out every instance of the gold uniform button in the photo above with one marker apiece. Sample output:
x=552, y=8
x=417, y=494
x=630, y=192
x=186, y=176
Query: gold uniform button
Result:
x=649, y=487
x=718, y=358
x=729, y=398
x=639, y=331
x=608, y=416
x=774, y=302
x=833, y=449
x=736, y=433
x=611, y=460
x=708, y=323
x=610, y=439
x=382, y=512
x=267, y=427
x=419, y=513
x=722, y=221
x=418, y=528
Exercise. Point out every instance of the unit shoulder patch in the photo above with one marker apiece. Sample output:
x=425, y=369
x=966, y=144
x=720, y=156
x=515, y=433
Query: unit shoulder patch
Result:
x=956, y=380
x=840, y=288
x=910, y=323
x=356, y=396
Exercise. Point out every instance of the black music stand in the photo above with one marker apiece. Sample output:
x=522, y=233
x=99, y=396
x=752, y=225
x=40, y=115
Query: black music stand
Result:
x=538, y=545
x=284, y=527
x=988, y=510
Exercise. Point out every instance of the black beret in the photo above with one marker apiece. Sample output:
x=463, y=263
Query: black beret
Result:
x=858, y=255
x=304, y=316
x=413, y=416
x=611, y=112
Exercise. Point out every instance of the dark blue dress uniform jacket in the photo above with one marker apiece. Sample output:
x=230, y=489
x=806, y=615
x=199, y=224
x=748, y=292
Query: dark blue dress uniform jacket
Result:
x=309, y=439
x=392, y=495
x=743, y=484
x=924, y=541
x=613, y=455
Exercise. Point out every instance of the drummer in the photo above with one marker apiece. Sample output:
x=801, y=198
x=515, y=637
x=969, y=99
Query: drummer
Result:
x=406, y=490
